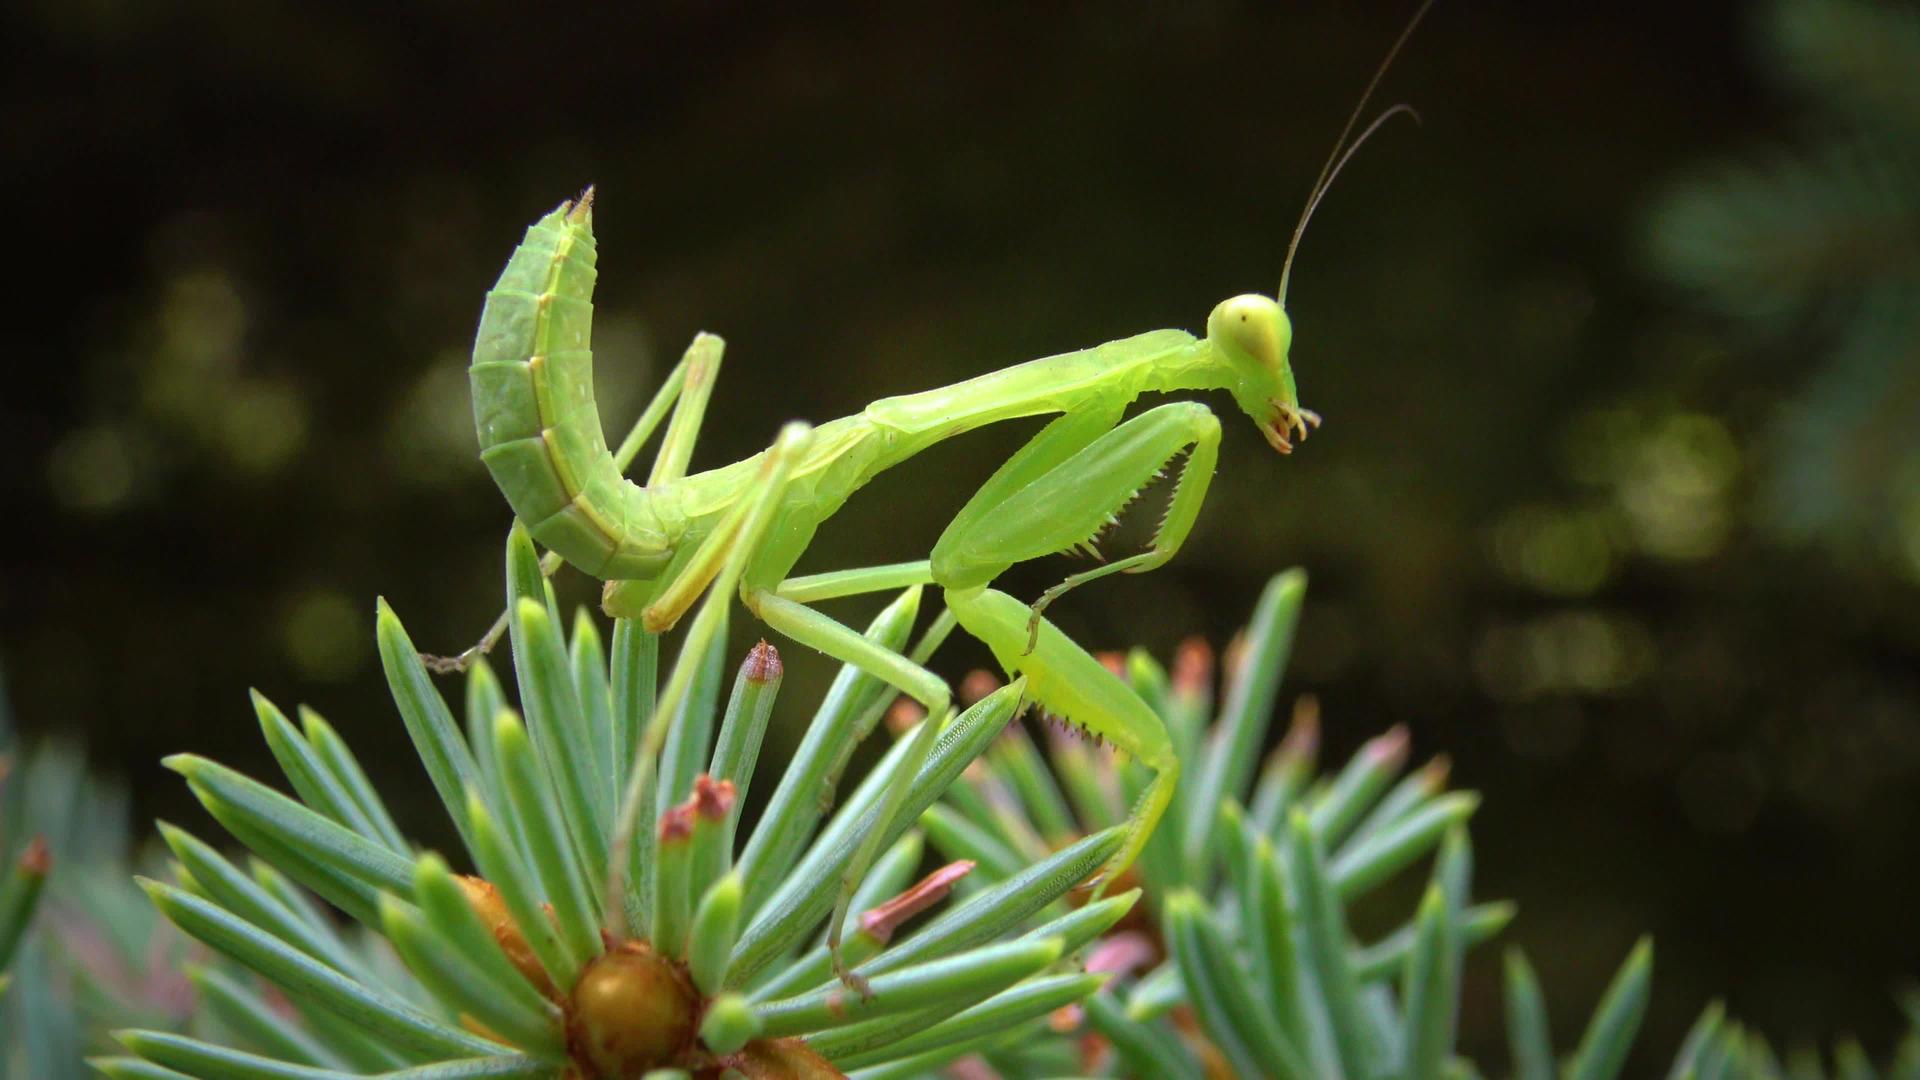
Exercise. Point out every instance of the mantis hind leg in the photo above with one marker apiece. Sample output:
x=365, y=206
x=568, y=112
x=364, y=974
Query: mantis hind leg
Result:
x=1070, y=683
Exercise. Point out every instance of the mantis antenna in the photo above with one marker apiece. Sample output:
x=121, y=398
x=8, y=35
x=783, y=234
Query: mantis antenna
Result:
x=1338, y=157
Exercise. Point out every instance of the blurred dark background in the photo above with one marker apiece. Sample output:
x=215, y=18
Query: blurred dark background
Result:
x=1617, y=502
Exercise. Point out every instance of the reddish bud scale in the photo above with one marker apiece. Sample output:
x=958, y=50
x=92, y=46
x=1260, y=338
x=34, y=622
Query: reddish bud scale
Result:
x=676, y=825
x=1094, y=1053
x=36, y=861
x=1123, y=953
x=1115, y=662
x=1193, y=668
x=1389, y=750
x=880, y=922
x=1433, y=775
x=763, y=663
x=973, y=1068
x=1236, y=656
x=712, y=800
x=1302, y=741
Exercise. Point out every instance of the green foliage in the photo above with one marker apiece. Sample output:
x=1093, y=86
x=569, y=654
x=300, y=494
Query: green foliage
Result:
x=1253, y=876
x=23, y=861
x=1815, y=253
x=1248, y=965
x=534, y=968
x=1253, y=967
x=92, y=953
x=1721, y=1048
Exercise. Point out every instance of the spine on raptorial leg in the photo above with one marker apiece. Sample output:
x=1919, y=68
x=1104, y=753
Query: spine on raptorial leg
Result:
x=534, y=410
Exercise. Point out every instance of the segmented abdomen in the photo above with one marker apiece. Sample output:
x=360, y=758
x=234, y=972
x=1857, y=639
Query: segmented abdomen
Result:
x=533, y=406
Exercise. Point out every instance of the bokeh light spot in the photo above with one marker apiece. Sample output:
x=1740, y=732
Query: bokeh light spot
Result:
x=322, y=634
x=264, y=426
x=92, y=469
x=1674, y=490
x=1577, y=651
x=1559, y=551
x=430, y=435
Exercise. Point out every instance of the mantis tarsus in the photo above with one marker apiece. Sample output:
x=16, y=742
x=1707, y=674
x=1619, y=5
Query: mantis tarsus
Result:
x=661, y=545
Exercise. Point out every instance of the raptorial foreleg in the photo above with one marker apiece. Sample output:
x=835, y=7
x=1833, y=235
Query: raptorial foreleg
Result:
x=1066, y=497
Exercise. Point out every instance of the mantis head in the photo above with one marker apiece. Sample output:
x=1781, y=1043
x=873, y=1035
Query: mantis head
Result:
x=1252, y=334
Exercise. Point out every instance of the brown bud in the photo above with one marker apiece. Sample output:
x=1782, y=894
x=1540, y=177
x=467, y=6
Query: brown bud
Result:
x=632, y=1011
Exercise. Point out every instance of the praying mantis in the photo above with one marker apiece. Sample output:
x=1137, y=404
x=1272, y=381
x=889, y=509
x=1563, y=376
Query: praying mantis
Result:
x=741, y=528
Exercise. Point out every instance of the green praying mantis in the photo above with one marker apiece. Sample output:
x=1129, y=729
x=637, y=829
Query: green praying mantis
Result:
x=741, y=528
